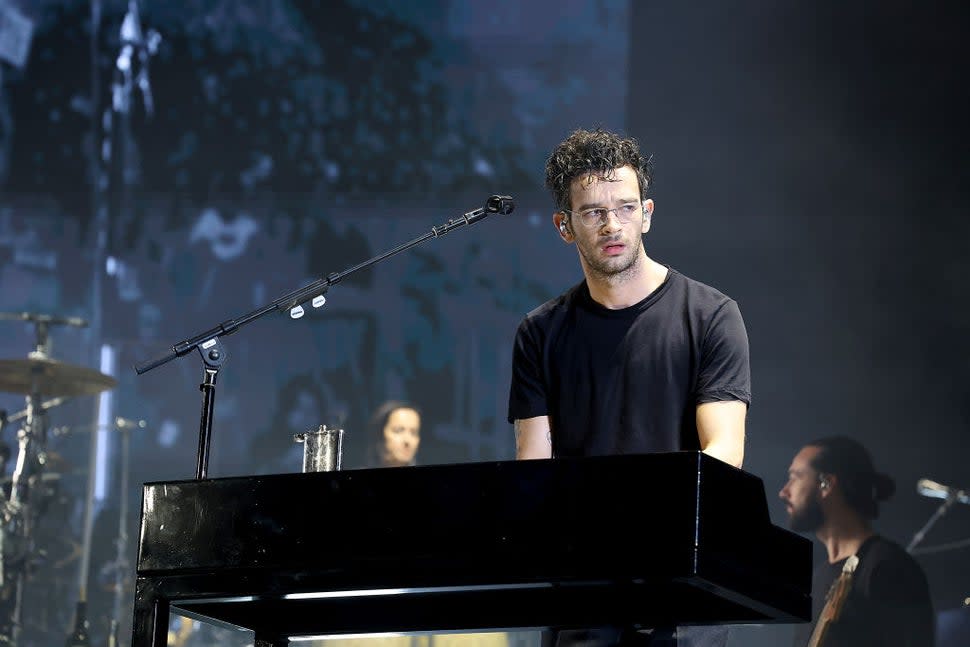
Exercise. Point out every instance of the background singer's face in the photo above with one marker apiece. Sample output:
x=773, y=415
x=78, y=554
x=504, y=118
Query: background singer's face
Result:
x=402, y=435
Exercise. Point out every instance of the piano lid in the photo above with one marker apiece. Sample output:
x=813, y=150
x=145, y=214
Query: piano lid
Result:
x=659, y=528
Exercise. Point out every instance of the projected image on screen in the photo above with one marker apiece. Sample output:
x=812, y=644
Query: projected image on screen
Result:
x=192, y=164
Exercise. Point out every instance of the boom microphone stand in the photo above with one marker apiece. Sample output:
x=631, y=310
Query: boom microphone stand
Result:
x=934, y=490
x=210, y=347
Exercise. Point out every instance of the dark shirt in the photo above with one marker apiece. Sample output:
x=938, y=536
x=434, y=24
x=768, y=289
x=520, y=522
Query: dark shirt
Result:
x=629, y=380
x=888, y=604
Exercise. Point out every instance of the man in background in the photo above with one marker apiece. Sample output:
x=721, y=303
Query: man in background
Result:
x=834, y=492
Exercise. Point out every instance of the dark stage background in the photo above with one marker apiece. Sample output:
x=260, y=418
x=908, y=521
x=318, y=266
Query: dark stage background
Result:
x=811, y=163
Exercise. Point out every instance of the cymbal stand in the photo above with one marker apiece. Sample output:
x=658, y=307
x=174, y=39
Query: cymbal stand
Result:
x=45, y=405
x=18, y=517
x=17, y=513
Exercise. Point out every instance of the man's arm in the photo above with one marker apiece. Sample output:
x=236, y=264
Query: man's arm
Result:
x=720, y=429
x=533, y=438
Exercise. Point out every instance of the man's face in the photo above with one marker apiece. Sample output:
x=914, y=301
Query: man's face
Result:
x=608, y=248
x=801, y=493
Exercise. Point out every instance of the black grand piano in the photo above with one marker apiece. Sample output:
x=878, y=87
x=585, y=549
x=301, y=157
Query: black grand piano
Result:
x=633, y=541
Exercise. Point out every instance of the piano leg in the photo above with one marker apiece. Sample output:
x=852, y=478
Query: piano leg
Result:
x=149, y=627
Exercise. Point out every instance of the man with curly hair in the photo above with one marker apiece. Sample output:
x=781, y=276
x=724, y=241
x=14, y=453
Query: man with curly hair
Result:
x=637, y=357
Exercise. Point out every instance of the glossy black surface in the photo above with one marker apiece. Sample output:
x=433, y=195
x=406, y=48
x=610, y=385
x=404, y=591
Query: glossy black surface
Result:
x=651, y=539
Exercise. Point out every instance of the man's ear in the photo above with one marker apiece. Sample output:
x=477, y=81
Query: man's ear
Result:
x=826, y=483
x=562, y=226
x=647, y=215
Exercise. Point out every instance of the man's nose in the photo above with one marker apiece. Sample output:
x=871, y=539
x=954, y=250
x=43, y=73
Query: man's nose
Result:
x=612, y=221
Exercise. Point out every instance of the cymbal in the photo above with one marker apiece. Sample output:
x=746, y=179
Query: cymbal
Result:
x=49, y=377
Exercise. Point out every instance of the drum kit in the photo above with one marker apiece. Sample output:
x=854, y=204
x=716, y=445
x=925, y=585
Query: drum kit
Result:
x=45, y=383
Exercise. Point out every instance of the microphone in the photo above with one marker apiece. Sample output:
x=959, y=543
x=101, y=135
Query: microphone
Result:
x=935, y=490
x=127, y=423
x=502, y=204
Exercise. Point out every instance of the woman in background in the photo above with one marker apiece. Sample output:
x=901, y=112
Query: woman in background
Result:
x=393, y=435
x=393, y=438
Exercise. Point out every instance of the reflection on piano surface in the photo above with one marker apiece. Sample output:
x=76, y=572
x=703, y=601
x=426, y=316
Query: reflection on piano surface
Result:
x=645, y=540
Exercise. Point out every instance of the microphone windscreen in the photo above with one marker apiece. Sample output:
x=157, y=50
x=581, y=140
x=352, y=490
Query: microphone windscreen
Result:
x=502, y=204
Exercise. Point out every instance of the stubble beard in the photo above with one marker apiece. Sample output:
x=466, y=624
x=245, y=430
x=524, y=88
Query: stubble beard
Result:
x=616, y=270
x=808, y=519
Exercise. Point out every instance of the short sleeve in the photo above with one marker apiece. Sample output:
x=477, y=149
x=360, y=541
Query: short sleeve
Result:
x=725, y=367
x=528, y=392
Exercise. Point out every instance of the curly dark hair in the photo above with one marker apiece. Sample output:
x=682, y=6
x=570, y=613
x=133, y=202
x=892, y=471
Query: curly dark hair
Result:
x=598, y=152
x=862, y=486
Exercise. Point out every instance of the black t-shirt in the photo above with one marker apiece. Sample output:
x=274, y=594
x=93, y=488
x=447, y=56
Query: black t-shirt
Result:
x=629, y=380
x=888, y=603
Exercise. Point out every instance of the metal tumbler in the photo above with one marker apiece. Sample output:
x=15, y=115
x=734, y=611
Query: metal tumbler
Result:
x=321, y=449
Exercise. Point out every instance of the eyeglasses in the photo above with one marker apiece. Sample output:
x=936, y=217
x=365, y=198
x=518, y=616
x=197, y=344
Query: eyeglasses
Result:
x=597, y=216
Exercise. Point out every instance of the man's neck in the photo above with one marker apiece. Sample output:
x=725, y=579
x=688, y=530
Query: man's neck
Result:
x=842, y=538
x=631, y=287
